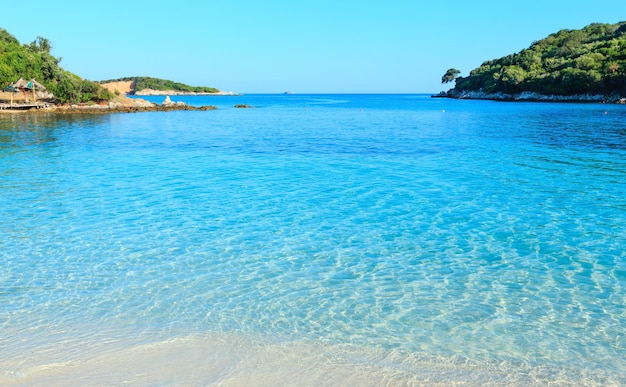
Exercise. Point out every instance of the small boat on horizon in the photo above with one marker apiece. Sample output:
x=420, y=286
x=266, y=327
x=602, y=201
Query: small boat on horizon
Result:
x=288, y=92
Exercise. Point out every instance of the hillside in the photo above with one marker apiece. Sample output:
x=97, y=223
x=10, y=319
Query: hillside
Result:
x=34, y=61
x=589, y=61
x=154, y=86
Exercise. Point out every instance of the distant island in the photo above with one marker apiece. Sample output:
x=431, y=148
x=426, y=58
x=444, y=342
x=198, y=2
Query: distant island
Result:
x=588, y=64
x=144, y=86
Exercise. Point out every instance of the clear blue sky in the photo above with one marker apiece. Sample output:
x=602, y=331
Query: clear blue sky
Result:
x=313, y=46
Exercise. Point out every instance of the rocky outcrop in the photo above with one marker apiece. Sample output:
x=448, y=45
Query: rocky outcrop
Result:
x=120, y=104
x=119, y=108
x=530, y=97
x=124, y=105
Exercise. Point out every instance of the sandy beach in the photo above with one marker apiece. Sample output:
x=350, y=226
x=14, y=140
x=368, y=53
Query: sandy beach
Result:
x=241, y=360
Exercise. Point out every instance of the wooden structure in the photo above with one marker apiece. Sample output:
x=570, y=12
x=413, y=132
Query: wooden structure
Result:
x=26, y=87
x=24, y=106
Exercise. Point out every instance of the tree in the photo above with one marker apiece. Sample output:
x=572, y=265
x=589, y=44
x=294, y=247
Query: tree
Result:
x=450, y=75
x=587, y=61
x=41, y=45
x=510, y=78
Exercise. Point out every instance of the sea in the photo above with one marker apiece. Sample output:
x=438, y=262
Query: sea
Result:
x=315, y=240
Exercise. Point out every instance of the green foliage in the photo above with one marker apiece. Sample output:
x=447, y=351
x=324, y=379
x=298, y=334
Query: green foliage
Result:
x=591, y=60
x=161, y=84
x=142, y=83
x=73, y=89
x=41, y=45
x=450, y=75
x=6, y=37
x=34, y=61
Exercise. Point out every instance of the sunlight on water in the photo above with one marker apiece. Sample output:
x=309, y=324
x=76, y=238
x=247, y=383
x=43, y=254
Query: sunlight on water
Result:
x=351, y=240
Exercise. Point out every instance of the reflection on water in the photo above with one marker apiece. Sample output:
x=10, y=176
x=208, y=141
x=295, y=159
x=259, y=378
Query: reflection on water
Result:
x=24, y=129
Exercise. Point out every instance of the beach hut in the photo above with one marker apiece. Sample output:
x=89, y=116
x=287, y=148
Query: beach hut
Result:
x=24, y=86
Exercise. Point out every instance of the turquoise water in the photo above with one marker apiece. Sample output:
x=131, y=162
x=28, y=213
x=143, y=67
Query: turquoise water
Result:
x=432, y=240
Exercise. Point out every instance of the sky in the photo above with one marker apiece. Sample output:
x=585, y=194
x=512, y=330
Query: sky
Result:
x=313, y=46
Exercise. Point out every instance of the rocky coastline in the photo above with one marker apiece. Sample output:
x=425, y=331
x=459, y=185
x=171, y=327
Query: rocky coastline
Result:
x=528, y=96
x=121, y=104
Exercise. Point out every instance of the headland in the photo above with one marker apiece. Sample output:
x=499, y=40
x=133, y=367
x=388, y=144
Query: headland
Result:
x=584, y=65
x=129, y=87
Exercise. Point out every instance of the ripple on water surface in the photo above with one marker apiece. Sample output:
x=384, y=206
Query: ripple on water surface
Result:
x=355, y=239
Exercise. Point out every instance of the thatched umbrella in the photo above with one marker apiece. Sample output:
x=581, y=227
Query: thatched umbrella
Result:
x=24, y=85
x=20, y=84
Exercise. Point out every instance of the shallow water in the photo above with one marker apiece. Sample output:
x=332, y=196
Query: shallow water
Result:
x=322, y=239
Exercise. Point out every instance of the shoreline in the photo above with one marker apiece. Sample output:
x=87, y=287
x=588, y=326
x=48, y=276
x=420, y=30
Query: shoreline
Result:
x=121, y=104
x=527, y=96
x=237, y=359
x=105, y=109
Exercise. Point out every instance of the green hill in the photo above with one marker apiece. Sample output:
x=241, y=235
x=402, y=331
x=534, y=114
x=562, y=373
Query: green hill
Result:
x=141, y=83
x=34, y=61
x=591, y=61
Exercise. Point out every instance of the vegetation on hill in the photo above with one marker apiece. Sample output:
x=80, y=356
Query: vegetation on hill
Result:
x=34, y=61
x=591, y=60
x=142, y=83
